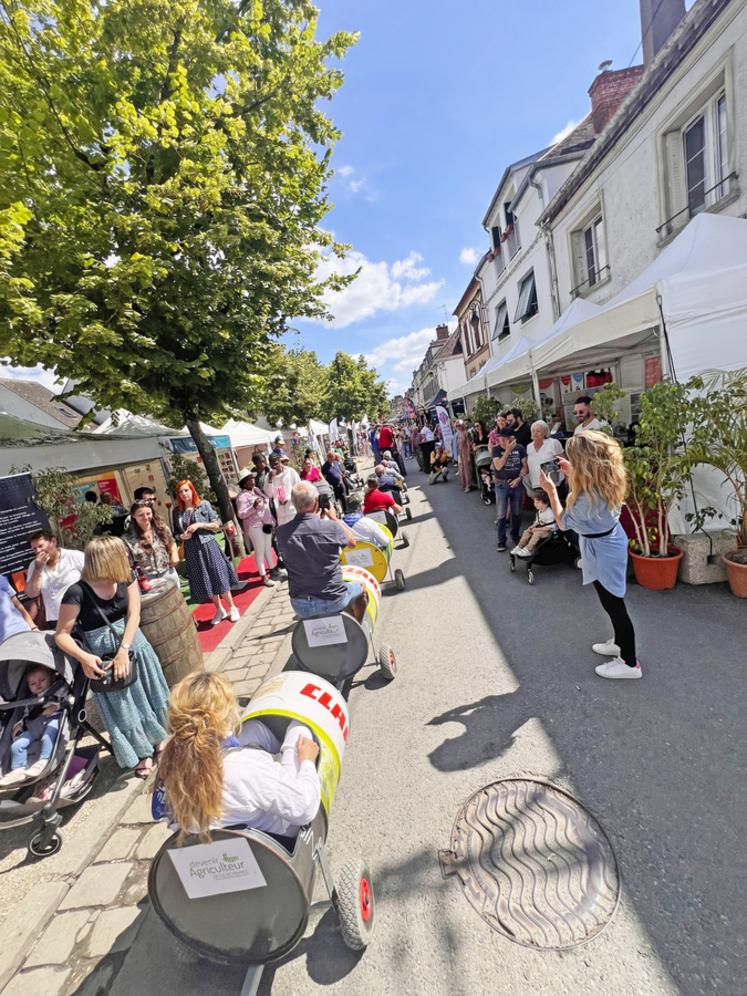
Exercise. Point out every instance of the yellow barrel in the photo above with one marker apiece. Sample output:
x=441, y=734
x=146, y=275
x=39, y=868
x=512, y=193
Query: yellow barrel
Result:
x=352, y=573
x=366, y=555
x=313, y=701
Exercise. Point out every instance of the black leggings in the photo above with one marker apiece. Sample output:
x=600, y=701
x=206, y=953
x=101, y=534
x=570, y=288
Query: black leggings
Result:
x=621, y=624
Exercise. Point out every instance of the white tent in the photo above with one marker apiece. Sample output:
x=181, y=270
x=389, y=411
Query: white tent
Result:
x=246, y=434
x=699, y=281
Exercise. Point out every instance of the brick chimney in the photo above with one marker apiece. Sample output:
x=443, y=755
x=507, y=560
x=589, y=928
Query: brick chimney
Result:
x=659, y=18
x=608, y=91
x=442, y=333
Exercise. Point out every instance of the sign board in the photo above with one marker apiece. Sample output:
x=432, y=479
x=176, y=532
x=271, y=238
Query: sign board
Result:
x=361, y=558
x=213, y=869
x=19, y=516
x=325, y=631
x=185, y=444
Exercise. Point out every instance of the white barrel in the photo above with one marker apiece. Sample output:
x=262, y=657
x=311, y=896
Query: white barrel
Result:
x=313, y=701
x=352, y=573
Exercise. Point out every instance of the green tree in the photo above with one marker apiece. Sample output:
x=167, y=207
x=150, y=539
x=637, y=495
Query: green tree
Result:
x=295, y=386
x=163, y=174
x=353, y=389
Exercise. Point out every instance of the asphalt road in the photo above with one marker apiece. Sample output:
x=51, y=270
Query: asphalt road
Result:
x=497, y=678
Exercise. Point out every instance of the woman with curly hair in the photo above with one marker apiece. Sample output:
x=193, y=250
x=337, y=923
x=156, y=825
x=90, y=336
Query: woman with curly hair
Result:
x=150, y=544
x=598, y=484
x=219, y=773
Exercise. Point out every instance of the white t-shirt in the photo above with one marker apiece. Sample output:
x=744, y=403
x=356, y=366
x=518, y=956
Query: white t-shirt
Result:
x=286, y=480
x=545, y=518
x=596, y=423
x=56, y=580
x=426, y=435
x=536, y=457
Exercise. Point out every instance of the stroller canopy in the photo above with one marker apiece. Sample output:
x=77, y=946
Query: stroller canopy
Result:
x=32, y=647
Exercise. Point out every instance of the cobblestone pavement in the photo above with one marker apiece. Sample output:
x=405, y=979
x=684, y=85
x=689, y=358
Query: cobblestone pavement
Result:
x=77, y=929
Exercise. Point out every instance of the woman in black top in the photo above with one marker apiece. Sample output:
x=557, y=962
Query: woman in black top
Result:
x=103, y=609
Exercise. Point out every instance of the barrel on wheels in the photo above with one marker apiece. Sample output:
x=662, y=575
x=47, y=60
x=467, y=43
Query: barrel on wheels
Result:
x=168, y=626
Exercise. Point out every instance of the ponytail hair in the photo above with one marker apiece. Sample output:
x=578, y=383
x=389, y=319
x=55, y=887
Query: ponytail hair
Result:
x=202, y=712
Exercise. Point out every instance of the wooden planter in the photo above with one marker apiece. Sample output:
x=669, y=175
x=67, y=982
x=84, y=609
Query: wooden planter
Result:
x=737, y=575
x=657, y=573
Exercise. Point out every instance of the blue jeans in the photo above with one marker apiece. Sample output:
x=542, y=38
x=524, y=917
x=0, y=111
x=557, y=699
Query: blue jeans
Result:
x=19, y=749
x=307, y=606
x=508, y=498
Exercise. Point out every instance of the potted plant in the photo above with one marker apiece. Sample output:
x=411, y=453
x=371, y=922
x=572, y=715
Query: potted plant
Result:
x=719, y=440
x=656, y=480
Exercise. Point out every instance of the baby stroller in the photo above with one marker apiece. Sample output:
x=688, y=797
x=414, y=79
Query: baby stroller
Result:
x=352, y=478
x=558, y=548
x=483, y=468
x=71, y=770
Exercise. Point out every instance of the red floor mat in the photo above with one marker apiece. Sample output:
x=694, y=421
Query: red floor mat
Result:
x=210, y=636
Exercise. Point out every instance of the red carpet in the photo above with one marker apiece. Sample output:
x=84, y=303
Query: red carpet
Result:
x=210, y=636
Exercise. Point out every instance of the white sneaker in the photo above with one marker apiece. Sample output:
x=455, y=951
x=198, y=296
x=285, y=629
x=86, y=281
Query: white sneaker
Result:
x=268, y=582
x=608, y=649
x=233, y=615
x=35, y=769
x=219, y=617
x=618, y=669
x=521, y=551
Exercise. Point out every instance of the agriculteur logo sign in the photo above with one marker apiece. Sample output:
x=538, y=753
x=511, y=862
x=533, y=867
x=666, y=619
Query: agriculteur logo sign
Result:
x=213, y=869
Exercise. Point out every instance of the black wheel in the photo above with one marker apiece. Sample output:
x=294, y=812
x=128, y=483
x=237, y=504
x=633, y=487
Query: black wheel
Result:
x=42, y=845
x=387, y=662
x=486, y=500
x=399, y=580
x=408, y=513
x=530, y=576
x=512, y=564
x=353, y=899
x=405, y=540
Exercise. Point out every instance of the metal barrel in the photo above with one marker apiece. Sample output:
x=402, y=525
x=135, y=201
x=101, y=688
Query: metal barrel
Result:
x=351, y=572
x=313, y=701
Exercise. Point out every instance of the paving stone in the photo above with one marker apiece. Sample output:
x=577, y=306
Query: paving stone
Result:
x=247, y=687
x=120, y=844
x=97, y=886
x=95, y=976
x=136, y=887
x=139, y=811
x=38, y=982
x=114, y=930
x=151, y=842
x=58, y=940
x=40, y=904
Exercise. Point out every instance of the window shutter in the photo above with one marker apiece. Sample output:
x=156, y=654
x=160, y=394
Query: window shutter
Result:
x=578, y=250
x=500, y=319
x=675, y=179
x=495, y=235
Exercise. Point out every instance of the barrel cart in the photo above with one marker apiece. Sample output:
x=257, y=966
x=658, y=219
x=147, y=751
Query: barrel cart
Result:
x=375, y=560
x=336, y=647
x=385, y=517
x=245, y=897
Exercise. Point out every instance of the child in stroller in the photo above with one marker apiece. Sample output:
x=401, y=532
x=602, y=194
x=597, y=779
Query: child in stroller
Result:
x=483, y=468
x=542, y=527
x=542, y=543
x=39, y=725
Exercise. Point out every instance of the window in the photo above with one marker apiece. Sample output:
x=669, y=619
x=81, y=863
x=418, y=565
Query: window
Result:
x=502, y=327
x=722, y=149
x=468, y=347
x=512, y=232
x=595, y=252
x=475, y=322
x=695, y=165
x=528, y=305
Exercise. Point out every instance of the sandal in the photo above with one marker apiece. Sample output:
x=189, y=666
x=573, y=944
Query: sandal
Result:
x=144, y=769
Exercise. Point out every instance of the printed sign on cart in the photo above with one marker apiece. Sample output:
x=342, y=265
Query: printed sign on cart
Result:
x=324, y=632
x=212, y=869
x=361, y=558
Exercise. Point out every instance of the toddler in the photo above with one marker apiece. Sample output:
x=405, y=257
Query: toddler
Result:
x=543, y=525
x=40, y=723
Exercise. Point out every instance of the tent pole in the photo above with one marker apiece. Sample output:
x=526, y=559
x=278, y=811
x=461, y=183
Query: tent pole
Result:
x=535, y=383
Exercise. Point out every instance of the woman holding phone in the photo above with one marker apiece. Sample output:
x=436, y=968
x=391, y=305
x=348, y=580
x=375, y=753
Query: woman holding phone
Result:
x=598, y=484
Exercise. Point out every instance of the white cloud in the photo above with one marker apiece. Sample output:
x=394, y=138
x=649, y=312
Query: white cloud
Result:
x=468, y=256
x=403, y=353
x=346, y=170
x=379, y=286
x=355, y=183
x=37, y=374
x=564, y=132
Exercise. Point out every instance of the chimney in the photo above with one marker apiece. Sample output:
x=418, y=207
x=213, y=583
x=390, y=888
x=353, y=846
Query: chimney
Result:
x=659, y=18
x=442, y=332
x=608, y=91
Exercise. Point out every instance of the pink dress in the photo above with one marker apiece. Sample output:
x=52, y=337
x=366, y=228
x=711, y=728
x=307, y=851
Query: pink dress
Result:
x=465, y=460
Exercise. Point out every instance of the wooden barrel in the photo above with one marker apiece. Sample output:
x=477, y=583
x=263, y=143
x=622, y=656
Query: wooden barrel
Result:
x=168, y=625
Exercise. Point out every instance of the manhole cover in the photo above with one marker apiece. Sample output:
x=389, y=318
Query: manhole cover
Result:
x=534, y=864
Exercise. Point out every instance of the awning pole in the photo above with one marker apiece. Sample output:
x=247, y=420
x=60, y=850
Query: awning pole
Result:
x=535, y=383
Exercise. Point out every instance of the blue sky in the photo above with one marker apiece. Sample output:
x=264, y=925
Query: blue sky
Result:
x=438, y=98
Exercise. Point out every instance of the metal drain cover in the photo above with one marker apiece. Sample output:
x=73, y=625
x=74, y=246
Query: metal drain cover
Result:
x=534, y=864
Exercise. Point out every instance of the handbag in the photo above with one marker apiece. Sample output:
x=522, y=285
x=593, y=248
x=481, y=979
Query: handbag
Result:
x=110, y=683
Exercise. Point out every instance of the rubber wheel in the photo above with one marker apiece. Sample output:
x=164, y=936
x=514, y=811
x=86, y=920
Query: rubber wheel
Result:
x=405, y=540
x=387, y=662
x=408, y=513
x=530, y=576
x=578, y=564
x=399, y=580
x=512, y=564
x=37, y=850
x=354, y=901
x=486, y=500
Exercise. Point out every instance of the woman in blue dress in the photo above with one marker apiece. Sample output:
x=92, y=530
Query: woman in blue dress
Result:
x=598, y=484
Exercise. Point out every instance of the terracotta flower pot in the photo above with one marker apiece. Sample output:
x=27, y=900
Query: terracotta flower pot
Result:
x=737, y=575
x=657, y=573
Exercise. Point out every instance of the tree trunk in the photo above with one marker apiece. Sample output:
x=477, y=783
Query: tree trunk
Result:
x=212, y=469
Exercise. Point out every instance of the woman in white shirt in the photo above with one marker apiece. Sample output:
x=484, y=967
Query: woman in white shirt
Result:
x=542, y=449
x=218, y=773
x=278, y=485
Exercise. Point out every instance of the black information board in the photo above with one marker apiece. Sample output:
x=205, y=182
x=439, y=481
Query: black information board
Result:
x=19, y=516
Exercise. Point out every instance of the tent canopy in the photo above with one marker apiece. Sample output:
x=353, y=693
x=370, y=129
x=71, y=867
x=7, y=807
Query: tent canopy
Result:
x=246, y=434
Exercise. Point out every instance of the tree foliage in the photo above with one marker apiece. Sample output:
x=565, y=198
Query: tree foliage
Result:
x=163, y=173
x=353, y=389
x=295, y=385
x=57, y=495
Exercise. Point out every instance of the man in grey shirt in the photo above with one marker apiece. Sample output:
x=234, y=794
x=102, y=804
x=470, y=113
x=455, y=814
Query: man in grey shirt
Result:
x=310, y=545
